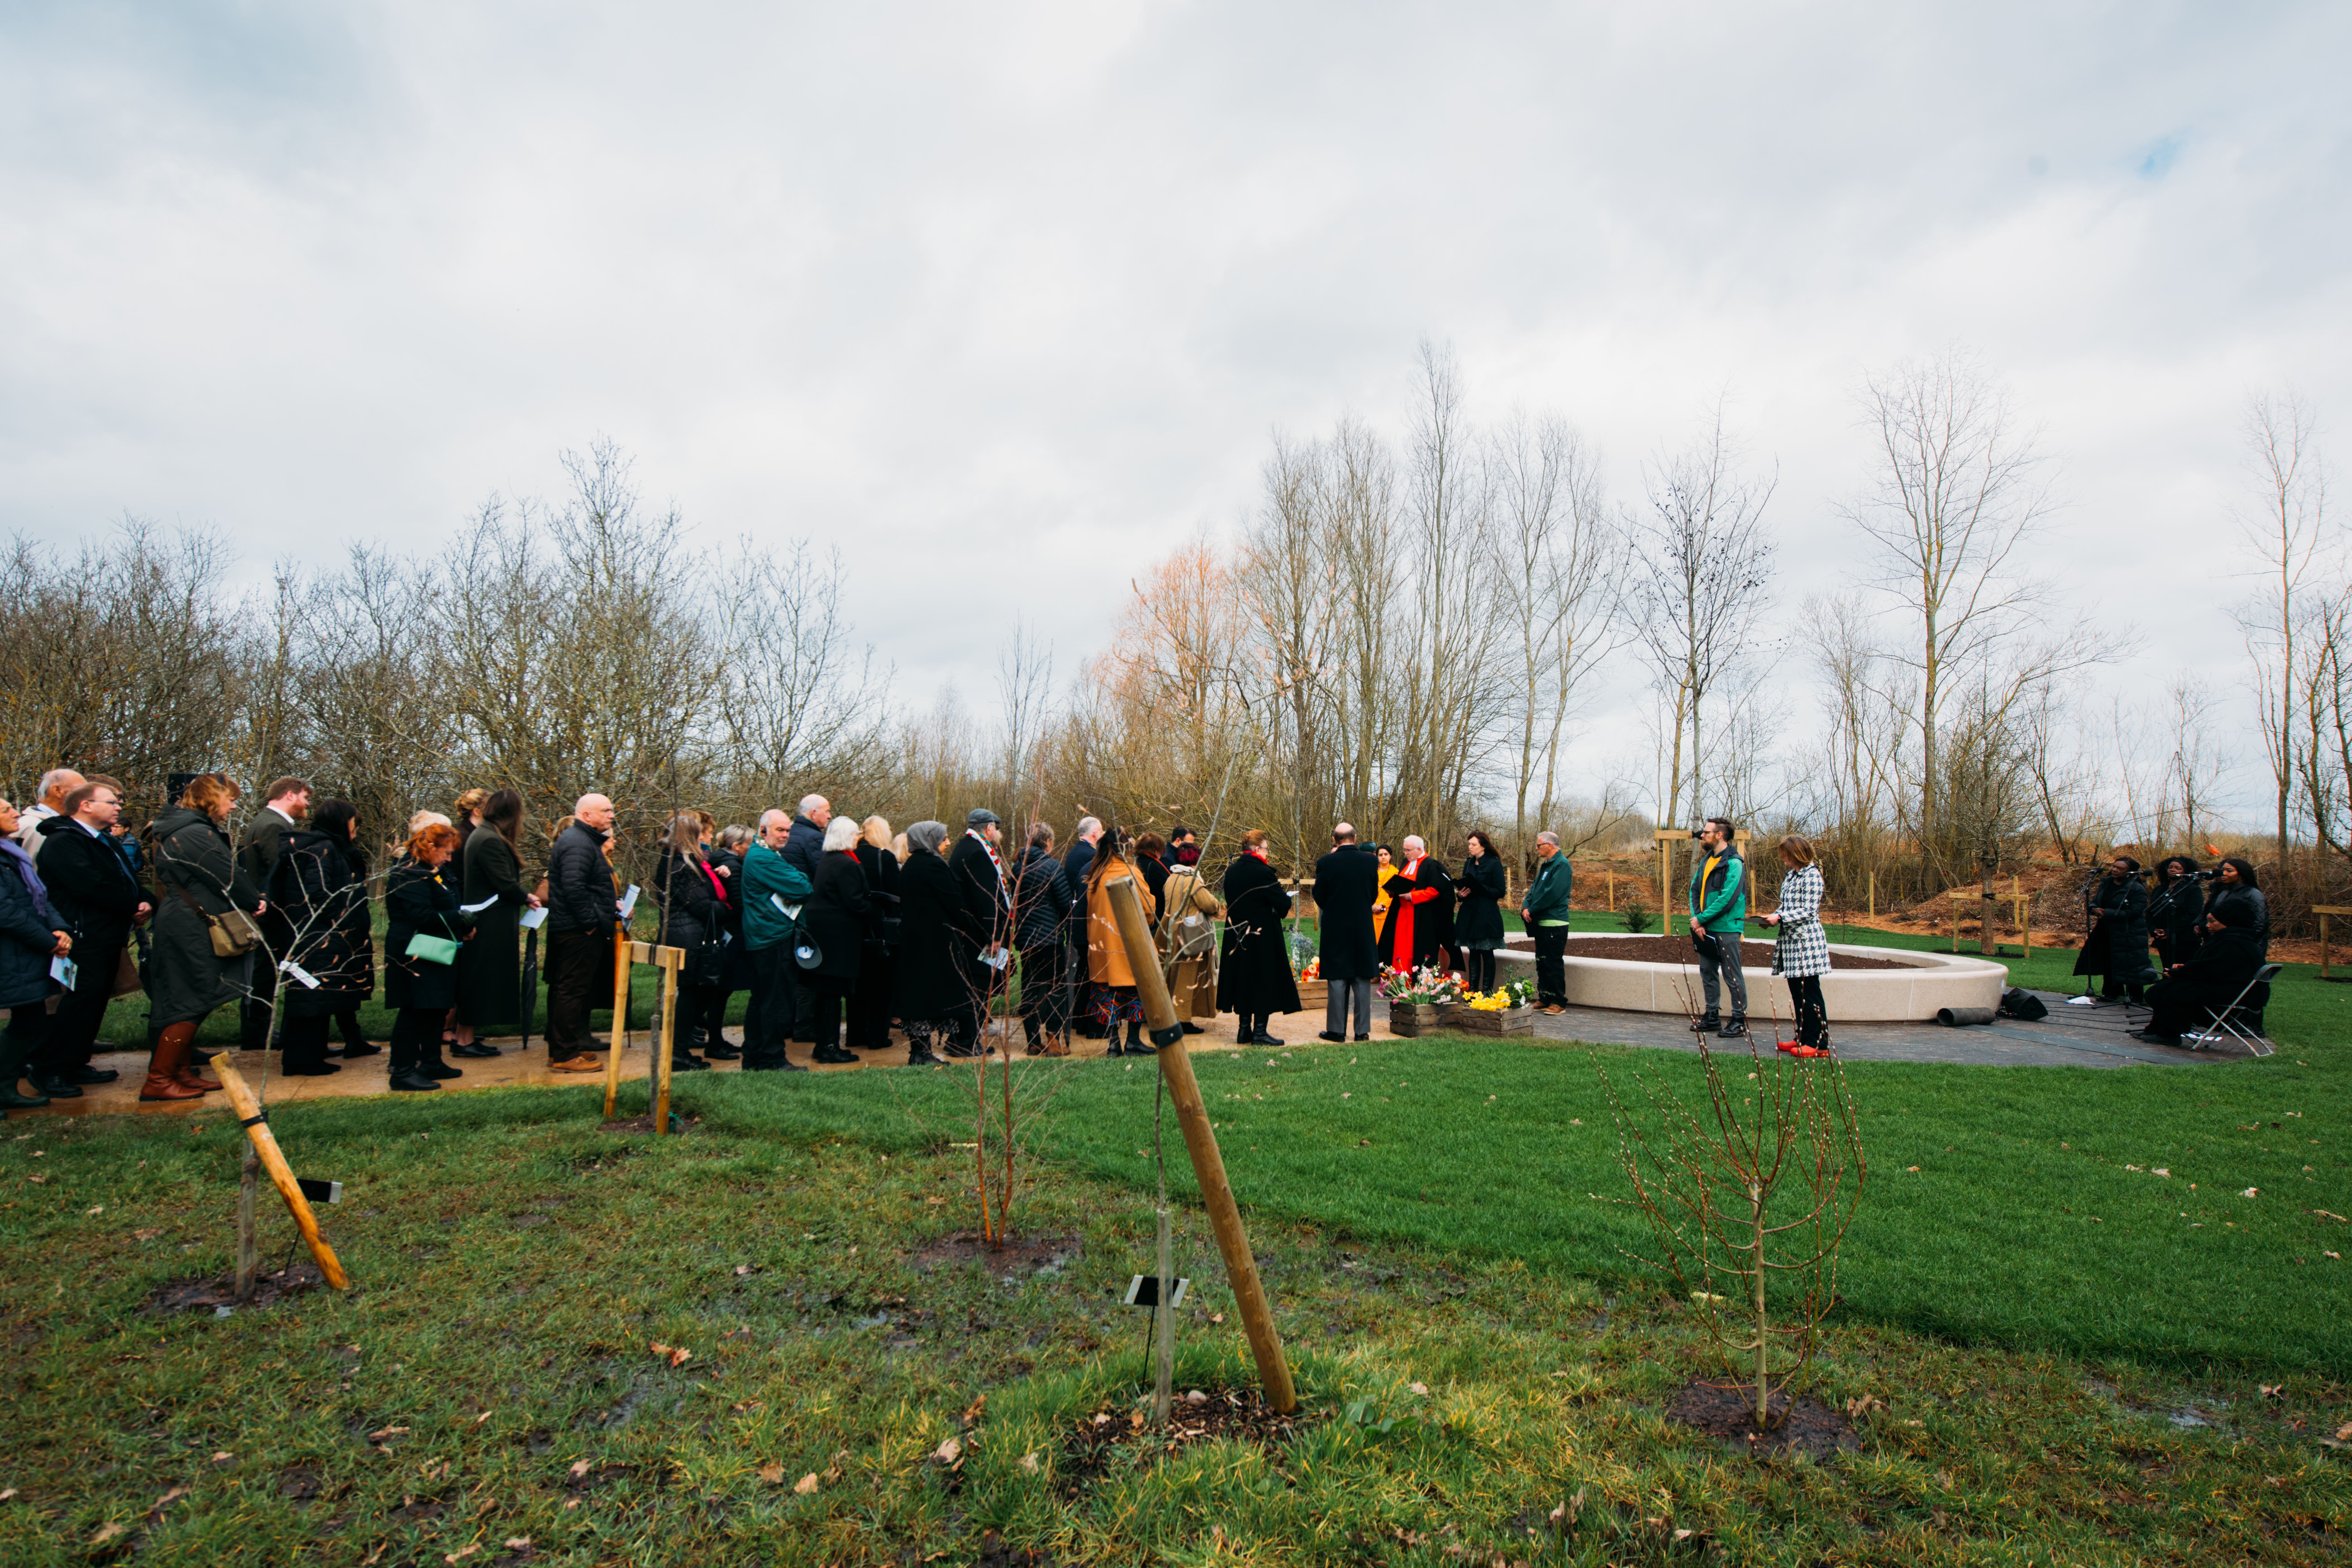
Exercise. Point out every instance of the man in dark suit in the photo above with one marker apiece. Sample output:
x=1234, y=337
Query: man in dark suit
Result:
x=96, y=897
x=283, y=806
x=803, y=847
x=979, y=871
x=1347, y=880
x=1075, y=865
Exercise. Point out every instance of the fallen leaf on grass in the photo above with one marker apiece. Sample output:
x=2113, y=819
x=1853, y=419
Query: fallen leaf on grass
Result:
x=170, y=1497
x=2336, y=1218
x=1216, y=1317
x=2160, y=1171
x=1862, y=1402
x=773, y=1473
x=805, y=1485
x=462, y=1552
x=1029, y=1461
x=149, y=1233
x=383, y=1432
x=106, y=1532
x=743, y=1268
x=1420, y=1388
x=2274, y=1390
x=518, y=1543
x=974, y=1411
x=484, y=1415
x=100, y=1209
x=223, y=1458
x=2250, y=1191
x=578, y=1469
x=949, y=1452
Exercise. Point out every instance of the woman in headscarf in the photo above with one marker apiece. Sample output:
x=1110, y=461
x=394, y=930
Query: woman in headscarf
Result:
x=1115, y=997
x=925, y=986
x=1253, y=978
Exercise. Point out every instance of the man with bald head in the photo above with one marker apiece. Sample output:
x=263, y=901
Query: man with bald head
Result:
x=581, y=917
x=56, y=784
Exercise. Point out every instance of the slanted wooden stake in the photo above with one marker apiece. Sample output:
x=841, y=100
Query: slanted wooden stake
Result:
x=1201, y=1142
x=264, y=1143
x=248, y=1225
x=620, y=946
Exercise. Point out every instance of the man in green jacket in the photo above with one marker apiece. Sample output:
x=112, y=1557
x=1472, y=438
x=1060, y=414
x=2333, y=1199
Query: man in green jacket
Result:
x=1545, y=913
x=773, y=890
x=1718, y=907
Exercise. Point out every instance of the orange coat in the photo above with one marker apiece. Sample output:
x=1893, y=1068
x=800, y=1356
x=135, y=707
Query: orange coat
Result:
x=1106, y=953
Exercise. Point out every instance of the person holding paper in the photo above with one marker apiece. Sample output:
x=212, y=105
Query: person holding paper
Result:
x=583, y=915
x=95, y=895
x=315, y=894
x=489, y=968
x=424, y=930
x=774, y=891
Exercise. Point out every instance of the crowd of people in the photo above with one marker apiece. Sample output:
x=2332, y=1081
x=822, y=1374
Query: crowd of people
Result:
x=839, y=929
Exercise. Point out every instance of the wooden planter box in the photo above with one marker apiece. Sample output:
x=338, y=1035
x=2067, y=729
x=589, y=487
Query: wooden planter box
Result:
x=1414, y=1018
x=1510, y=1021
x=1313, y=994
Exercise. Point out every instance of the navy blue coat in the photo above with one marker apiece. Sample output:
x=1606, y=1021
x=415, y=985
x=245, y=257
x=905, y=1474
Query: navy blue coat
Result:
x=25, y=941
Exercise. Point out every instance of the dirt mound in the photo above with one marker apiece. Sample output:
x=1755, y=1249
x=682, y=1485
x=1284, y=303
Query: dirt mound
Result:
x=1728, y=1411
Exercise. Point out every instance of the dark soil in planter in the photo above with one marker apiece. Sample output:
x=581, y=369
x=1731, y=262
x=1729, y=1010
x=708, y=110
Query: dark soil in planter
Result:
x=1114, y=1437
x=1673, y=950
x=219, y=1290
x=1728, y=1411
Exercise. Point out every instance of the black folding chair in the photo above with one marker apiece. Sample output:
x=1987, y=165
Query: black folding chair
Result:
x=2230, y=1023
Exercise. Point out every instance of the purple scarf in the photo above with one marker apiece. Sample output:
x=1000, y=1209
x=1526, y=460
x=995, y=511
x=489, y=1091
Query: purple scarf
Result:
x=16, y=851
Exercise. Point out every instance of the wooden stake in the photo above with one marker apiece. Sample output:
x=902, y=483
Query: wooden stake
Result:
x=248, y=1225
x=264, y=1144
x=671, y=960
x=620, y=946
x=1201, y=1142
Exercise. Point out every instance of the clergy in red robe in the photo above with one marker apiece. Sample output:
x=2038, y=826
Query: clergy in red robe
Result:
x=1421, y=910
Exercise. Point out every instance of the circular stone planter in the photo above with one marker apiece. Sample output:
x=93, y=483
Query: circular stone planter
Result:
x=1913, y=994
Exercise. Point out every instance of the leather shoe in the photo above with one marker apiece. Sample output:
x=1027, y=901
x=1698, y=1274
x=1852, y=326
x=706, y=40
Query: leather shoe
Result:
x=1363, y=1037
x=11, y=1101
x=583, y=1063
x=194, y=1078
x=786, y=1066
x=721, y=1052
x=688, y=1064
x=56, y=1088
x=315, y=1069
x=1263, y=1038
x=477, y=1049
x=1190, y=1027
x=442, y=1071
x=410, y=1082
x=95, y=1075
x=834, y=1056
x=924, y=1059
x=362, y=1050
x=1328, y=1035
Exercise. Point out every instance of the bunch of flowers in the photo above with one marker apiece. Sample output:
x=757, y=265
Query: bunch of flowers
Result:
x=1503, y=998
x=1314, y=970
x=1420, y=987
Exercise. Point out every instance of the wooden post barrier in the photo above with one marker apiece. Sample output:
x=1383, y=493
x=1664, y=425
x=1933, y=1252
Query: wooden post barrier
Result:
x=2323, y=912
x=669, y=960
x=1201, y=1142
x=265, y=1145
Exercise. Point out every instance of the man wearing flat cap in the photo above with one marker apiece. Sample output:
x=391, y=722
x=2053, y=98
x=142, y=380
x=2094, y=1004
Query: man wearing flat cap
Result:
x=979, y=870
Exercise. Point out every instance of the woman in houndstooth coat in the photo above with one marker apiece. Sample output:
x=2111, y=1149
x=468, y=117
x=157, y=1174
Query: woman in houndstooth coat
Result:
x=1801, y=956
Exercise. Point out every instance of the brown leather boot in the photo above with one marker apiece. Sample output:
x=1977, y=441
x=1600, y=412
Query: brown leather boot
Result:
x=166, y=1061
x=191, y=1075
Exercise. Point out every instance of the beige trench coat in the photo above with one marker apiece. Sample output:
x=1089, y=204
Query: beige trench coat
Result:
x=1190, y=927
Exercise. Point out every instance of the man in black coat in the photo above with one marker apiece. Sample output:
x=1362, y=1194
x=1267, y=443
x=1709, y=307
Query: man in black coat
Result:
x=1347, y=880
x=1075, y=863
x=284, y=805
x=94, y=895
x=987, y=893
x=581, y=918
x=804, y=849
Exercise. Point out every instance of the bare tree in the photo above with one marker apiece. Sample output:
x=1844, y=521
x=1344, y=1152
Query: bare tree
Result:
x=1958, y=495
x=2288, y=529
x=1700, y=563
x=1024, y=688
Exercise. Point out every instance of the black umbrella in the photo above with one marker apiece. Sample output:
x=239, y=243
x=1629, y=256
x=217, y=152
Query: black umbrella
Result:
x=529, y=981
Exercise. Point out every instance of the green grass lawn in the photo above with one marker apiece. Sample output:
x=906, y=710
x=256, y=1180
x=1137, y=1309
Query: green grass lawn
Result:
x=2042, y=1323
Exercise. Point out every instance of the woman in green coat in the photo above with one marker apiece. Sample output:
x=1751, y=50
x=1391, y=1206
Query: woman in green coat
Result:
x=197, y=875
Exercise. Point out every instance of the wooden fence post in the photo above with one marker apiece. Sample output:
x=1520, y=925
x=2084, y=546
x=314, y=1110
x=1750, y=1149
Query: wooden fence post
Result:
x=620, y=955
x=264, y=1144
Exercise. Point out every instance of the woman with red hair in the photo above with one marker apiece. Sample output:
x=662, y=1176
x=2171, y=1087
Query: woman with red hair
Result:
x=423, y=928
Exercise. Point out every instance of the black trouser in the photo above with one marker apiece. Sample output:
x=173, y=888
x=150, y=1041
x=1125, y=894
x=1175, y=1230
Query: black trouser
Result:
x=828, y=998
x=28, y=1027
x=81, y=1012
x=576, y=960
x=768, y=1021
x=1813, y=1016
x=692, y=1003
x=1043, y=996
x=1478, y=968
x=2116, y=986
x=304, y=1041
x=869, y=1003
x=415, y=1037
x=1551, y=973
x=347, y=1023
x=714, y=1013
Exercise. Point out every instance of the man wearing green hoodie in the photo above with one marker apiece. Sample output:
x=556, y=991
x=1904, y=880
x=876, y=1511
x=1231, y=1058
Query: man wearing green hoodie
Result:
x=773, y=891
x=1718, y=909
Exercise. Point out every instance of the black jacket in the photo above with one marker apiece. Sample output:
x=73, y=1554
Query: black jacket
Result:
x=578, y=883
x=313, y=888
x=928, y=981
x=89, y=887
x=985, y=894
x=1154, y=871
x=837, y=914
x=265, y=833
x=692, y=917
x=2177, y=910
x=1040, y=900
x=26, y=940
x=803, y=847
x=2117, y=945
x=1347, y=880
x=420, y=899
x=881, y=870
x=1479, y=923
x=1253, y=969
x=1075, y=863
x=489, y=968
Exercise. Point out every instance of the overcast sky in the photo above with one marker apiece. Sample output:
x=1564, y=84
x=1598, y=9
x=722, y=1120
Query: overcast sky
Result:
x=959, y=286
